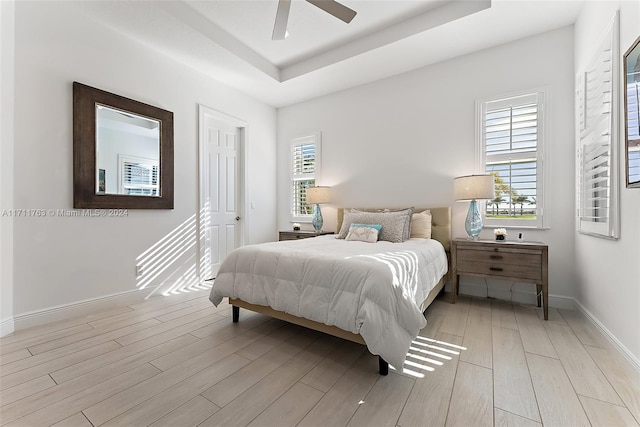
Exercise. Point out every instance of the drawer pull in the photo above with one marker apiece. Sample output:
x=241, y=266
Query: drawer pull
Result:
x=495, y=268
x=495, y=256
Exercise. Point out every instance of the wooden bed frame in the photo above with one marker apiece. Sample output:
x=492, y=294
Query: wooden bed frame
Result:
x=440, y=230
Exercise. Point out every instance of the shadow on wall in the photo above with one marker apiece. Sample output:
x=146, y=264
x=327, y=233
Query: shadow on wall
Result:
x=169, y=266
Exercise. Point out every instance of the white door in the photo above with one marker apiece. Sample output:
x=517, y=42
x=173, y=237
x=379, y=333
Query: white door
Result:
x=220, y=212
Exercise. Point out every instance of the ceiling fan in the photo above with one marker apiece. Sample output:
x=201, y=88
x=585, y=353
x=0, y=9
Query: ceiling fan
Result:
x=332, y=7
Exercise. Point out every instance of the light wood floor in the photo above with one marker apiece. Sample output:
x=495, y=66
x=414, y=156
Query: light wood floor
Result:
x=178, y=361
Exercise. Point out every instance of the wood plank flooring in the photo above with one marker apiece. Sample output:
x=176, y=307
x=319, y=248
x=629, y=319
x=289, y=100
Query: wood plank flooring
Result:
x=178, y=361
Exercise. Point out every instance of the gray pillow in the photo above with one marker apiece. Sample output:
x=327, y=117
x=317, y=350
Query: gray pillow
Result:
x=408, y=211
x=396, y=226
x=407, y=226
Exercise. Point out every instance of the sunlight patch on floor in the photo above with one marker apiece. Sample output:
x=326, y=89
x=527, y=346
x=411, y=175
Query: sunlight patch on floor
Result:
x=417, y=364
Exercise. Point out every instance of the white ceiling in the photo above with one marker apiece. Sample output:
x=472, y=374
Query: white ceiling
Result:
x=230, y=40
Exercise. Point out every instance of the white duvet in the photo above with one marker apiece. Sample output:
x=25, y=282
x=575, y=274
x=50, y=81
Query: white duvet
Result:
x=371, y=289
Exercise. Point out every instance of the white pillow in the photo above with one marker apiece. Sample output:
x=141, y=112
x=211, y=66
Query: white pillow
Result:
x=362, y=233
x=421, y=225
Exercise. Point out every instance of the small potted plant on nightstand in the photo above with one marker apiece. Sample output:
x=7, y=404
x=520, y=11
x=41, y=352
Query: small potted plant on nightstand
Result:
x=501, y=233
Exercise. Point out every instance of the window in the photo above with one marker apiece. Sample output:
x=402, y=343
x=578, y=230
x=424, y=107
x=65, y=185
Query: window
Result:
x=305, y=165
x=138, y=176
x=510, y=149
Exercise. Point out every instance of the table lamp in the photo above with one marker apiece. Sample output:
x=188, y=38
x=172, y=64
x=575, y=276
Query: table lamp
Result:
x=317, y=196
x=473, y=187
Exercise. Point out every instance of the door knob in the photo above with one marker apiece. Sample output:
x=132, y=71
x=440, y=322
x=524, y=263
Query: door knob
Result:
x=237, y=218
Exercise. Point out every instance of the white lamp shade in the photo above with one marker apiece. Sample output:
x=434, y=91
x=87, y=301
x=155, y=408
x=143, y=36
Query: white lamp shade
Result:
x=318, y=195
x=474, y=187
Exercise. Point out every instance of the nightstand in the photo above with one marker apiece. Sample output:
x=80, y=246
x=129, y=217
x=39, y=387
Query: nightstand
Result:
x=300, y=234
x=525, y=262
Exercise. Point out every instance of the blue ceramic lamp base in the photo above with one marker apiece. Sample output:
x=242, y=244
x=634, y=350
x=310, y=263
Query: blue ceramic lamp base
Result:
x=317, y=218
x=473, y=223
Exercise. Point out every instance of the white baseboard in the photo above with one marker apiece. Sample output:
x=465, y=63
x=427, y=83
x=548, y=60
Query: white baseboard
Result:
x=7, y=327
x=565, y=303
x=633, y=360
x=79, y=308
x=519, y=293
x=82, y=308
x=522, y=295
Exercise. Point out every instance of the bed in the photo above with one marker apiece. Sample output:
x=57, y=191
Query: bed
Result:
x=342, y=287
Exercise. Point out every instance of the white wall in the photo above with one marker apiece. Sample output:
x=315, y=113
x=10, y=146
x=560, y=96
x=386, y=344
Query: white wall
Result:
x=7, y=9
x=402, y=140
x=60, y=260
x=609, y=271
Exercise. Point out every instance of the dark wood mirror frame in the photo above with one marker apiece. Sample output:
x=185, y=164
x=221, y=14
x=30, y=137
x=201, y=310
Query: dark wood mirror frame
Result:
x=633, y=52
x=85, y=99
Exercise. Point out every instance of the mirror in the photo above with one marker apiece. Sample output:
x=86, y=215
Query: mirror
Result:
x=128, y=152
x=632, y=113
x=122, y=152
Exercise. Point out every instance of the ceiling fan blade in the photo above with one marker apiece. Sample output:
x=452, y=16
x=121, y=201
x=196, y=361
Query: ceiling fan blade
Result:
x=336, y=9
x=282, y=16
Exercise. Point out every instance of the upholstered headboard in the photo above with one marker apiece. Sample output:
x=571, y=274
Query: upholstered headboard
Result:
x=440, y=222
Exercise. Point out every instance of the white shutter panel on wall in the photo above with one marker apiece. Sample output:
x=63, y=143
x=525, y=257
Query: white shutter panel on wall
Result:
x=594, y=183
x=596, y=96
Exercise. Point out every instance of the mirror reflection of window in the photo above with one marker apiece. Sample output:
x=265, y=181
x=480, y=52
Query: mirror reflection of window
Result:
x=633, y=121
x=138, y=176
x=631, y=66
x=123, y=135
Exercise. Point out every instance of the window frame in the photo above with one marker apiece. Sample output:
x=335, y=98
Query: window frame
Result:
x=540, y=96
x=315, y=139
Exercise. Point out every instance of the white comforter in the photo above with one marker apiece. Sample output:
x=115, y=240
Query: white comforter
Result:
x=371, y=289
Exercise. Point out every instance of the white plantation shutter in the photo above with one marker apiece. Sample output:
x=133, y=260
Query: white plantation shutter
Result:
x=304, y=168
x=594, y=155
x=594, y=191
x=138, y=176
x=597, y=128
x=511, y=149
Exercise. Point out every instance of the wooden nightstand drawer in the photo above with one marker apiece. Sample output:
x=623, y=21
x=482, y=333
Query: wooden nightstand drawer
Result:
x=285, y=235
x=501, y=256
x=301, y=234
x=522, y=271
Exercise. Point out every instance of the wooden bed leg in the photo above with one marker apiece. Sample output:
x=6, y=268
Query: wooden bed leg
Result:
x=236, y=313
x=384, y=366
